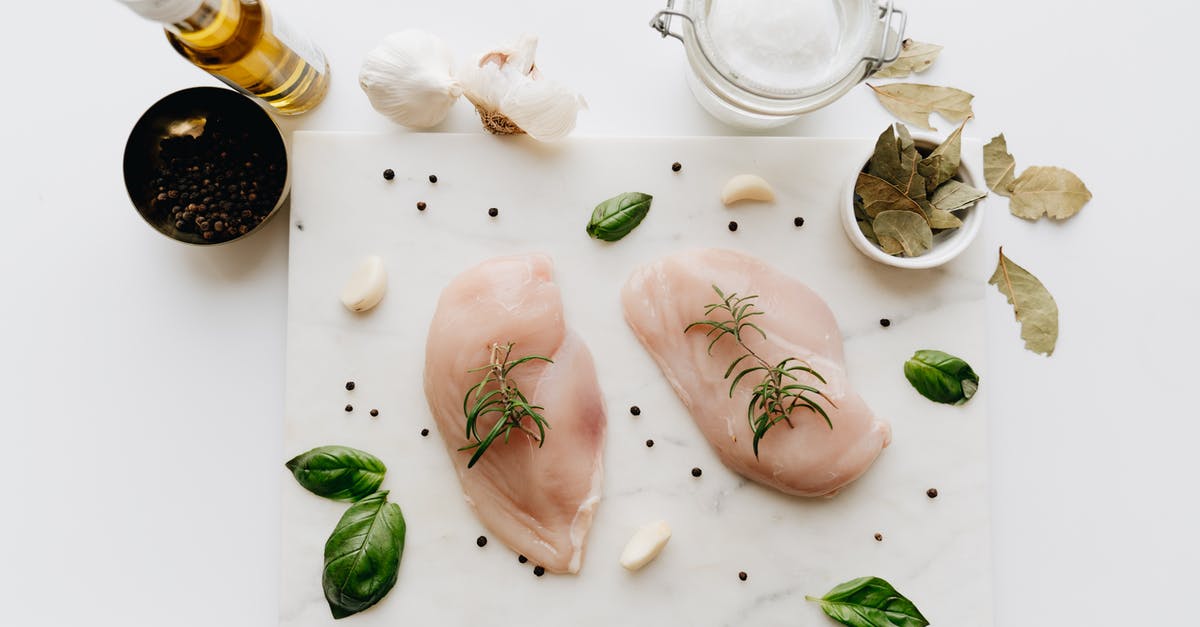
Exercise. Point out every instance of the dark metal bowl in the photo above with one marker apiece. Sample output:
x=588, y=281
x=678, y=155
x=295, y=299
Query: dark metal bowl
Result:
x=186, y=112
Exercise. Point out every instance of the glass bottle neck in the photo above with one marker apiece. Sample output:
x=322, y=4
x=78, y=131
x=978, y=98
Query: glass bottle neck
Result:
x=209, y=14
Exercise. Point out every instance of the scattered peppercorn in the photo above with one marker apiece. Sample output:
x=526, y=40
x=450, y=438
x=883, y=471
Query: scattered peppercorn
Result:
x=421, y=205
x=349, y=408
x=349, y=385
x=432, y=178
x=481, y=541
x=696, y=472
x=635, y=410
x=374, y=413
x=732, y=225
x=931, y=493
x=493, y=212
x=539, y=571
x=885, y=323
x=879, y=537
x=389, y=174
x=299, y=225
x=649, y=443
x=677, y=166
x=798, y=222
x=743, y=576
x=522, y=559
x=424, y=433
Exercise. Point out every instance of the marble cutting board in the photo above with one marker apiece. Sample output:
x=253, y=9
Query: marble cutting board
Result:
x=935, y=551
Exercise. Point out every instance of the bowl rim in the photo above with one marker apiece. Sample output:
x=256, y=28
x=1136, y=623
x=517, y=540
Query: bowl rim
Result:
x=942, y=252
x=147, y=117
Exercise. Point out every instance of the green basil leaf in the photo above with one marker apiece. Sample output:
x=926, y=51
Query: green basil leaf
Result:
x=340, y=473
x=941, y=378
x=362, y=555
x=617, y=216
x=870, y=602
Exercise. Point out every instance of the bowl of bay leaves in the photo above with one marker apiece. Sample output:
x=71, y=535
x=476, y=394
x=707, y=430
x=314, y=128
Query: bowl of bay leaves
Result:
x=913, y=202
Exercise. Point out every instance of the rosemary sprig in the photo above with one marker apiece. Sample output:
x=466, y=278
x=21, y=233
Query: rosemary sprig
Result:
x=779, y=392
x=497, y=394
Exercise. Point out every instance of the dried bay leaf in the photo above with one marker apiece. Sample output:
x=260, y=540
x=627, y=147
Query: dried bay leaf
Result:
x=954, y=195
x=890, y=245
x=1032, y=304
x=885, y=162
x=1047, y=190
x=914, y=102
x=999, y=167
x=910, y=230
x=868, y=231
x=879, y=196
x=942, y=164
x=942, y=219
x=915, y=57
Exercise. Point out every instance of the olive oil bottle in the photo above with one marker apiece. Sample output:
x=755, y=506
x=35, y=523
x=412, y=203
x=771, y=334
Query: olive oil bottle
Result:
x=243, y=43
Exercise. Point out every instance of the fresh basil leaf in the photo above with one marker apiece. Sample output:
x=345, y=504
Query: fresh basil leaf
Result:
x=362, y=555
x=340, y=473
x=941, y=378
x=870, y=602
x=617, y=216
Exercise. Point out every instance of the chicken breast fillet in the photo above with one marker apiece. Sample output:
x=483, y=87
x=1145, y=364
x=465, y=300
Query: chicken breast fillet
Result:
x=661, y=299
x=537, y=501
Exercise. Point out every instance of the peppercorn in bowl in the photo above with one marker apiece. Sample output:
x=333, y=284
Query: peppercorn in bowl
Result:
x=206, y=166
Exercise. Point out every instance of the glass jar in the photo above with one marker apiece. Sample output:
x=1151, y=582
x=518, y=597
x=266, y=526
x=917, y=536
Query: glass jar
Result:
x=760, y=64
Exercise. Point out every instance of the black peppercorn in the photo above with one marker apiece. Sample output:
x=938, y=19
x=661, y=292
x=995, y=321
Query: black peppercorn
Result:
x=885, y=323
x=432, y=178
x=677, y=166
x=421, y=206
x=732, y=225
x=798, y=222
x=539, y=571
x=522, y=559
x=349, y=385
x=743, y=576
x=374, y=413
x=879, y=537
x=635, y=410
x=389, y=174
x=493, y=212
x=696, y=472
x=649, y=443
x=931, y=493
x=349, y=408
x=424, y=432
x=481, y=541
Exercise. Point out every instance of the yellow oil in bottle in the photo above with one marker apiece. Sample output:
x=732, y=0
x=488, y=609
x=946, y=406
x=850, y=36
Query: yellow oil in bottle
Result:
x=245, y=45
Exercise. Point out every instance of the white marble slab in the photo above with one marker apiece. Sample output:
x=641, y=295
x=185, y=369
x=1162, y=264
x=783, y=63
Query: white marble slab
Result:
x=935, y=551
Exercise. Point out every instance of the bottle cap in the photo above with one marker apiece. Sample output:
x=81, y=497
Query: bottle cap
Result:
x=166, y=11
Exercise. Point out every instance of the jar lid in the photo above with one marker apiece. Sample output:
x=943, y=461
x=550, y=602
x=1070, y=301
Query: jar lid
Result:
x=786, y=49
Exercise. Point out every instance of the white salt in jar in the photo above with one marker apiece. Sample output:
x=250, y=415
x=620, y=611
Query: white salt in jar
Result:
x=761, y=63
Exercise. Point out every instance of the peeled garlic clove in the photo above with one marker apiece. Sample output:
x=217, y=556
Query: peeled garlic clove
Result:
x=746, y=187
x=645, y=545
x=409, y=77
x=513, y=97
x=366, y=286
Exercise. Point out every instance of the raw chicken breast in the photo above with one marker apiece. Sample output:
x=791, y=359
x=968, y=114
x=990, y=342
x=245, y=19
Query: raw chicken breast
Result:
x=537, y=501
x=662, y=298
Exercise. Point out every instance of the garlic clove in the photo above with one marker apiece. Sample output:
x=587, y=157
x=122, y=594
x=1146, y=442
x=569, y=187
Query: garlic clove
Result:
x=512, y=96
x=544, y=109
x=746, y=187
x=409, y=77
x=366, y=286
x=645, y=545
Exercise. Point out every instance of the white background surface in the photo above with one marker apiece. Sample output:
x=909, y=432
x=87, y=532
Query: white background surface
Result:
x=142, y=381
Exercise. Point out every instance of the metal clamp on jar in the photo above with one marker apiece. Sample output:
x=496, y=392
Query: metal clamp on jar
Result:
x=761, y=63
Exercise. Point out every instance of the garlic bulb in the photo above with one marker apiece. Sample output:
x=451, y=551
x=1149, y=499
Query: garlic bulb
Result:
x=512, y=96
x=409, y=77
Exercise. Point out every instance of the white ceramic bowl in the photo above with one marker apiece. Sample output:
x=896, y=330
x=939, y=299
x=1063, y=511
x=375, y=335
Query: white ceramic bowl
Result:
x=946, y=245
